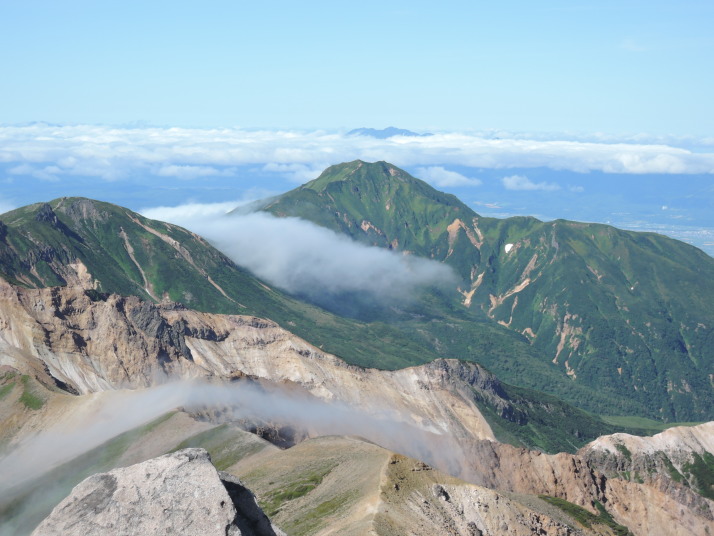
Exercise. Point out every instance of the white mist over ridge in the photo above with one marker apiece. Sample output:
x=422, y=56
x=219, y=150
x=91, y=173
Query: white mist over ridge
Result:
x=303, y=258
x=121, y=411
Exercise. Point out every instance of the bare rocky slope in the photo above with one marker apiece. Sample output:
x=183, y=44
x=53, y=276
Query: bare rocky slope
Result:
x=67, y=339
x=651, y=505
x=79, y=342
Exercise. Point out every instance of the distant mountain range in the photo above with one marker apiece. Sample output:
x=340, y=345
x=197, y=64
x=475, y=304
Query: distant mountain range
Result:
x=384, y=133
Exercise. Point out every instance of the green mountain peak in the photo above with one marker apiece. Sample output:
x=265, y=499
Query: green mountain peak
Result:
x=625, y=313
x=378, y=204
x=359, y=171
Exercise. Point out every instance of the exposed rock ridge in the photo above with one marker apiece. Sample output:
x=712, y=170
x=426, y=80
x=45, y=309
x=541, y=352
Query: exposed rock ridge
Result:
x=93, y=342
x=671, y=462
x=422, y=503
x=648, y=507
x=179, y=493
x=691, y=438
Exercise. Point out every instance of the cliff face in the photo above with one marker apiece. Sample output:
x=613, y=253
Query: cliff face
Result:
x=654, y=505
x=677, y=464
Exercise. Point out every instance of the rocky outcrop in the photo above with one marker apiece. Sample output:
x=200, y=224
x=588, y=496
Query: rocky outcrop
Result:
x=623, y=452
x=656, y=503
x=423, y=502
x=179, y=493
x=671, y=469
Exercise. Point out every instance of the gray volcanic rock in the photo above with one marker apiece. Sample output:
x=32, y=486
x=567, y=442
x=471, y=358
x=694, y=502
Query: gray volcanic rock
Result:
x=179, y=493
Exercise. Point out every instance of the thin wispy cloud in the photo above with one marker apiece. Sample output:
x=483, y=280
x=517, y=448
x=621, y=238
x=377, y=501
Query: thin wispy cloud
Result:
x=443, y=178
x=188, y=172
x=45, y=173
x=521, y=182
x=298, y=173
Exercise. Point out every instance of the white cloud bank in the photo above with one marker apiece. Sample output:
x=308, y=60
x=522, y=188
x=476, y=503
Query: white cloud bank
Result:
x=441, y=178
x=303, y=258
x=53, y=152
x=188, y=172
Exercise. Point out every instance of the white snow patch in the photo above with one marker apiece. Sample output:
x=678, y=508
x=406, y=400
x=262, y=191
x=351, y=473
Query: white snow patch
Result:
x=508, y=247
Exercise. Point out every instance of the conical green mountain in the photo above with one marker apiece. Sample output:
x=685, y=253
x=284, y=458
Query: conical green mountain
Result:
x=629, y=314
x=382, y=205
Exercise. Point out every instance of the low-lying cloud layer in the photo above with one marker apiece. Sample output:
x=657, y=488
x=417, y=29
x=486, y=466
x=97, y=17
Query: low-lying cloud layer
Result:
x=303, y=258
x=52, y=152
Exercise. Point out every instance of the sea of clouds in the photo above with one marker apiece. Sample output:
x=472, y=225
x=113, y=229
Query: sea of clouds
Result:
x=51, y=152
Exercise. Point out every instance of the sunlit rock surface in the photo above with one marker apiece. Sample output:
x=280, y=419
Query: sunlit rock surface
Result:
x=179, y=493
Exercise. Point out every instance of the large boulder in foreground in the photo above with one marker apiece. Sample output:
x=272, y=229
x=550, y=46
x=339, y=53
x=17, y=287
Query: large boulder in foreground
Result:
x=179, y=494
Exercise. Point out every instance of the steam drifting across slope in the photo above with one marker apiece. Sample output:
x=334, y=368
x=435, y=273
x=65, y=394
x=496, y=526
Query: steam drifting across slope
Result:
x=124, y=410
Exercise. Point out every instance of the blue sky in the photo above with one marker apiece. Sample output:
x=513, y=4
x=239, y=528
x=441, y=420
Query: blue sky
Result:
x=597, y=111
x=606, y=66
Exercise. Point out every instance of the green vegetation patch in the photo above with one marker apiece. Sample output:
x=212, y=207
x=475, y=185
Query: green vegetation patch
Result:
x=585, y=518
x=226, y=444
x=6, y=389
x=622, y=449
x=642, y=425
x=672, y=470
x=29, y=395
x=538, y=421
x=607, y=519
x=701, y=468
x=299, y=487
x=312, y=519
